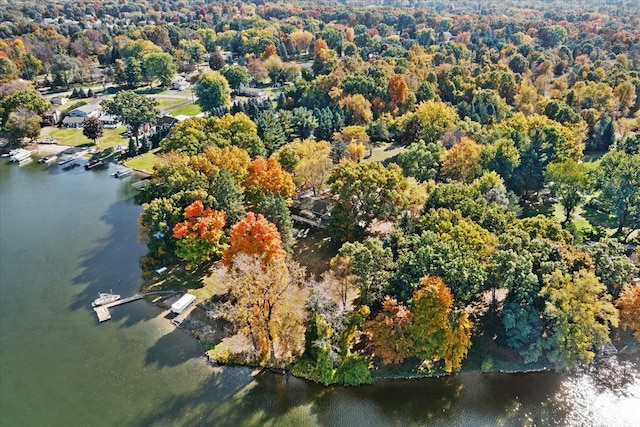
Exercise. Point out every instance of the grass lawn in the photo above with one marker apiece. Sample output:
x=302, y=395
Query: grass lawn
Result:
x=143, y=162
x=187, y=110
x=385, y=152
x=75, y=138
x=314, y=252
x=167, y=103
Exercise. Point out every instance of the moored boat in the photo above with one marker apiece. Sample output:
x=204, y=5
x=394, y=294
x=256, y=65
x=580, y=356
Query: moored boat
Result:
x=19, y=155
x=122, y=172
x=47, y=160
x=93, y=163
x=105, y=298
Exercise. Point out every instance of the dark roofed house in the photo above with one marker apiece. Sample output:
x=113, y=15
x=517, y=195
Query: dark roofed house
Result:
x=73, y=122
x=52, y=117
x=316, y=209
x=165, y=122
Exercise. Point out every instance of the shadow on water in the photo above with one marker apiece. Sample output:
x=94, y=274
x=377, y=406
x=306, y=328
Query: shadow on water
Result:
x=230, y=396
x=170, y=350
x=112, y=263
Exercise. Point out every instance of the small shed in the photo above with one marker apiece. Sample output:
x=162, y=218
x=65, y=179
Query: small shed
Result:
x=185, y=301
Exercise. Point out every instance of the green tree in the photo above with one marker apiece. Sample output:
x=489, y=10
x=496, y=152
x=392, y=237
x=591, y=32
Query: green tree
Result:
x=213, y=91
x=303, y=122
x=18, y=95
x=160, y=66
x=421, y=160
x=370, y=265
x=271, y=131
x=275, y=210
x=612, y=266
x=568, y=180
x=7, y=69
x=430, y=121
x=580, y=313
x=438, y=332
x=236, y=75
x=618, y=180
x=365, y=191
x=23, y=123
x=194, y=49
x=133, y=72
x=228, y=197
x=132, y=109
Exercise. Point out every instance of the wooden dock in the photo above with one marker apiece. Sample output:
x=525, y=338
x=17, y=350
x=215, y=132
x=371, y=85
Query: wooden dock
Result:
x=102, y=311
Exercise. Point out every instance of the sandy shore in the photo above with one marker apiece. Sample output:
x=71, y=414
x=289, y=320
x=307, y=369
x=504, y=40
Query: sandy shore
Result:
x=48, y=149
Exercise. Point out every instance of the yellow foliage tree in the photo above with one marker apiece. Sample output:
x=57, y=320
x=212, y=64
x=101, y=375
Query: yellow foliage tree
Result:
x=360, y=108
x=267, y=306
x=462, y=161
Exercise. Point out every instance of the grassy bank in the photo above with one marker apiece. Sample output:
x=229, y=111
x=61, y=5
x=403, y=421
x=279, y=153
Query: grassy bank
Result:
x=75, y=138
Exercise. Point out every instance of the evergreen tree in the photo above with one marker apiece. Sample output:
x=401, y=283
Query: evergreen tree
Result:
x=275, y=209
x=271, y=131
x=228, y=197
x=133, y=148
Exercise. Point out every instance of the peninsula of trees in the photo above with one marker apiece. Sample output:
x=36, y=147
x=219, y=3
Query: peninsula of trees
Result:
x=481, y=159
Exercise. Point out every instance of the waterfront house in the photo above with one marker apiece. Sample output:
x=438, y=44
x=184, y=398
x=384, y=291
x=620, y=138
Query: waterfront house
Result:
x=73, y=122
x=51, y=117
x=89, y=110
x=110, y=121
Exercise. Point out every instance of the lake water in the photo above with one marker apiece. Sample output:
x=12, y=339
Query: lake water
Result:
x=67, y=235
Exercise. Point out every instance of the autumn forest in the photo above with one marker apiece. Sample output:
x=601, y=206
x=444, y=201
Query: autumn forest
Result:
x=391, y=189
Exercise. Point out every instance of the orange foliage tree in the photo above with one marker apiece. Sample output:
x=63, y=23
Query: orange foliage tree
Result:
x=199, y=235
x=269, y=51
x=389, y=332
x=629, y=305
x=398, y=90
x=254, y=235
x=267, y=176
x=360, y=108
x=319, y=45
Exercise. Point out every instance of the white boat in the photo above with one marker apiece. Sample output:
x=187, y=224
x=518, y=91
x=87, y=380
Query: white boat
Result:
x=48, y=159
x=19, y=155
x=104, y=298
x=63, y=159
x=122, y=172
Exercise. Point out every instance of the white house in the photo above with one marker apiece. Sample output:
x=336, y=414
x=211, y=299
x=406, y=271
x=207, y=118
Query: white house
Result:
x=180, y=84
x=89, y=110
x=109, y=121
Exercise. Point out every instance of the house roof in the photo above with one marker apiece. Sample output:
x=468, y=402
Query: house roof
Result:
x=89, y=108
x=166, y=121
x=71, y=120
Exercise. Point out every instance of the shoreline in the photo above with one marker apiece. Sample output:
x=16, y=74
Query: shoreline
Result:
x=198, y=329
